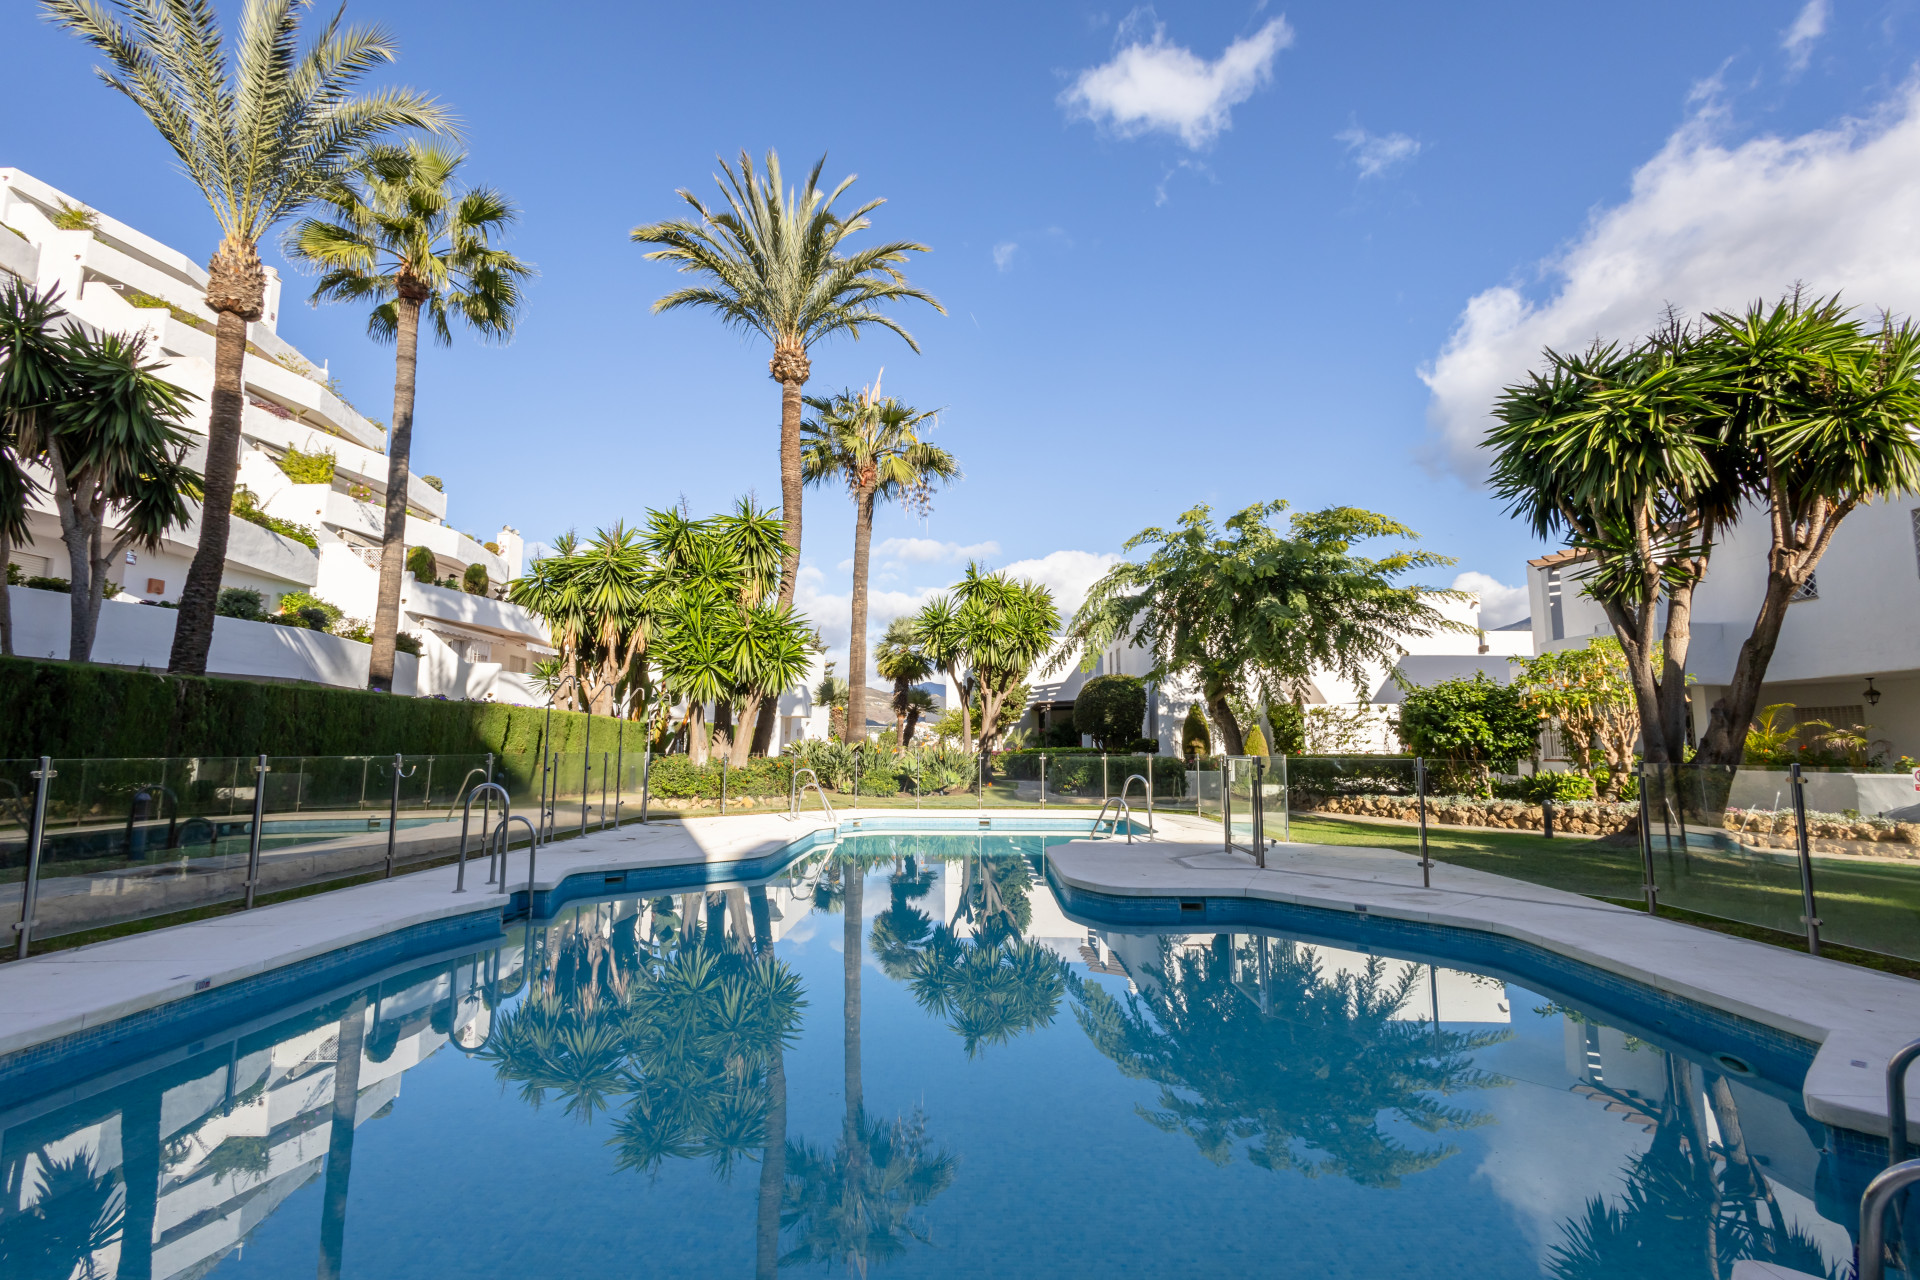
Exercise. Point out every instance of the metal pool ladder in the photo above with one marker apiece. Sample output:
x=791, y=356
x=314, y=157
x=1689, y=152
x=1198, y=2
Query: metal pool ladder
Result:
x=1125, y=812
x=799, y=791
x=1146, y=788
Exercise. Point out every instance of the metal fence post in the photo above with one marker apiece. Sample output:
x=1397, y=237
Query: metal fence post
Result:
x=546, y=767
x=42, y=776
x=646, y=770
x=586, y=776
x=1286, y=802
x=1104, y=793
x=723, y=780
x=1811, y=911
x=1649, y=888
x=1259, y=813
x=1420, y=785
x=259, y=821
x=1546, y=815
x=1043, y=779
x=1226, y=803
x=619, y=772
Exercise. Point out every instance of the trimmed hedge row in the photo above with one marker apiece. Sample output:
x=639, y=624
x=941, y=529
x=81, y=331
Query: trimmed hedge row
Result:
x=77, y=710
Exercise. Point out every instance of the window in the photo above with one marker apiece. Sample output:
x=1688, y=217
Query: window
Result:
x=156, y=587
x=1808, y=590
x=1555, y=618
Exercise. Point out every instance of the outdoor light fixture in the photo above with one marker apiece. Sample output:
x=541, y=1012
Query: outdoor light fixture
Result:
x=1872, y=695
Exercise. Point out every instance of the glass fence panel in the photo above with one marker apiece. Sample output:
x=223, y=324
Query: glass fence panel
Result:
x=1205, y=782
x=1013, y=779
x=1725, y=842
x=132, y=838
x=1242, y=782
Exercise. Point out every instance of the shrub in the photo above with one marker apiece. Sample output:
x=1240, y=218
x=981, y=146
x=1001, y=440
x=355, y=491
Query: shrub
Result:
x=1466, y=728
x=1561, y=788
x=318, y=614
x=407, y=643
x=71, y=217
x=310, y=468
x=247, y=507
x=241, y=602
x=492, y=546
x=1110, y=709
x=48, y=584
x=422, y=565
x=1289, y=721
x=435, y=483
x=15, y=578
x=474, y=581
x=1194, y=738
x=146, y=301
x=1256, y=743
x=354, y=629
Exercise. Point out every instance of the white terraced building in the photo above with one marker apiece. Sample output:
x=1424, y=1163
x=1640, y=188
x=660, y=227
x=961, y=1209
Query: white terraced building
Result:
x=113, y=278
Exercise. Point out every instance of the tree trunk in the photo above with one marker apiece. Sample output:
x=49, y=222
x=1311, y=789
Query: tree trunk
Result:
x=6, y=597
x=853, y=906
x=77, y=533
x=857, y=641
x=900, y=713
x=724, y=730
x=236, y=287
x=790, y=475
x=1224, y=724
x=140, y=1169
x=1726, y=739
x=393, y=534
x=754, y=713
x=966, y=712
x=346, y=1105
x=909, y=722
x=764, y=724
x=696, y=726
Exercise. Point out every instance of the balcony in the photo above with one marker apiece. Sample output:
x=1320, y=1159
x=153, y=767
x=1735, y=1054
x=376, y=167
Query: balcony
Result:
x=18, y=256
x=455, y=546
x=352, y=462
x=323, y=505
x=425, y=601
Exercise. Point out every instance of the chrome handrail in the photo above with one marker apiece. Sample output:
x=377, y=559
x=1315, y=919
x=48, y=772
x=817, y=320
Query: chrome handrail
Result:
x=1147, y=788
x=1897, y=1065
x=533, y=848
x=1887, y=1184
x=799, y=792
x=466, y=816
x=1125, y=809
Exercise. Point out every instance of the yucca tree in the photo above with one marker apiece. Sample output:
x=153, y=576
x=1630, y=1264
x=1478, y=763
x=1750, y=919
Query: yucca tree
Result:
x=941, y=635
x=872, y=444
x=1008, y=624
x=899, y=658
x=93, y=412
x=401, y=231
x=262, y=137
x=31, y=375
x=773, y=264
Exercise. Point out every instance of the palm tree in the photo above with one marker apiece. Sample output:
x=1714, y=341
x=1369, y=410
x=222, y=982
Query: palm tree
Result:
x=773, y=265
x=899, y=658
x=401, y=232
x=873, y=444
x=31, y=357
x=262, y=139
x=942, y=637
x=1009, y=625
x=919, y=704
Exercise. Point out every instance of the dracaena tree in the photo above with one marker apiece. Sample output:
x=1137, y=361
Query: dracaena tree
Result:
x=872, y=444
x=776, y=263
x=1248, y=608
x=899, y=658
x=262, y=129
x=401, y=231
x=1008, y=624
x=105, y=426
x=1642, y=456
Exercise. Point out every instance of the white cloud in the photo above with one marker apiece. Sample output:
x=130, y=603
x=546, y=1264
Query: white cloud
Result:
x=1003, y=254
x=1499, y=603
x=1707, y=226
x=1155, y=85
x=1807, y=28
x=933, y=551
x=1375, y=153
x=832, y=612
x=1068, y=573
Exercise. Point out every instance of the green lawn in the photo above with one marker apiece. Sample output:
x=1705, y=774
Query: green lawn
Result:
x=1874, y=906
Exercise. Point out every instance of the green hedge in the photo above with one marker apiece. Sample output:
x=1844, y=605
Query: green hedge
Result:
x=74, y=710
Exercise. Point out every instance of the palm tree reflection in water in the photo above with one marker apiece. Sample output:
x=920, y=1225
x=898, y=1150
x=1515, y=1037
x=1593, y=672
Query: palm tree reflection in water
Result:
x=1690, y=1206
x=1300, y=1070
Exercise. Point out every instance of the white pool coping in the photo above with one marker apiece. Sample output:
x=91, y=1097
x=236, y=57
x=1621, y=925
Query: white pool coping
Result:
x=1857, y=1016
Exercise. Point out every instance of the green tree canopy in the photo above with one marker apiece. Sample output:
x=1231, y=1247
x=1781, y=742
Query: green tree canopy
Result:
x=1111, y=711
x=1247, y=607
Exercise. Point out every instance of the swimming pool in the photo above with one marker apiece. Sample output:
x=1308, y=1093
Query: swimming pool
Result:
x=1004, y=1080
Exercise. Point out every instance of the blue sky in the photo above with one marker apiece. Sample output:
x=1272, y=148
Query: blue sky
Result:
x=1199, y=253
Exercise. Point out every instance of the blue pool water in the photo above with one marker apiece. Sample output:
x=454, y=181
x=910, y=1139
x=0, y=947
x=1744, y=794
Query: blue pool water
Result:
x=1007, y=1080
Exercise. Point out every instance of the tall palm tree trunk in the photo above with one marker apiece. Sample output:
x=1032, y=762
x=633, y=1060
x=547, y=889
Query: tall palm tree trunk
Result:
x=6, y=598
x=236, y=292
x=346, y=1105
x=857, y=643
x=393, y=536
x=773, y=1172
x=790, y=367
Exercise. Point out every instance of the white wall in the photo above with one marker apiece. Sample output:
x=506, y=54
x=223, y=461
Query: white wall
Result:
x=136, y=635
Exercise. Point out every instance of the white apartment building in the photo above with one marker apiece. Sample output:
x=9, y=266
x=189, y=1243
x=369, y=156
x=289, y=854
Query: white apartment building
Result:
x=1424, y=660
x=1849, y=652
x=113, y=278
